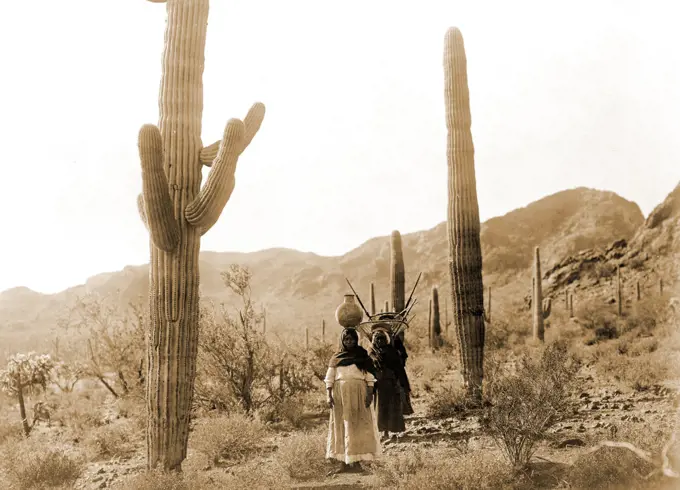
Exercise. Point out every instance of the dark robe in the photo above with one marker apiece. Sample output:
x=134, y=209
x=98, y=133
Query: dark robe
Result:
x=391, y=386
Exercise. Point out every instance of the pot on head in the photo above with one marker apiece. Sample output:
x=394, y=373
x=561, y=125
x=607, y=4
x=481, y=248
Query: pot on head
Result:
x=349, y=314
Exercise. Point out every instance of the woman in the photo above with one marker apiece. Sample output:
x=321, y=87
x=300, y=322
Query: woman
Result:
x=352, y=431
x=391, y=382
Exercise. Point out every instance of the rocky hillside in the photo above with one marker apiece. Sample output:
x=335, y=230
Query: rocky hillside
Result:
x=298, y=288
x=649, y=260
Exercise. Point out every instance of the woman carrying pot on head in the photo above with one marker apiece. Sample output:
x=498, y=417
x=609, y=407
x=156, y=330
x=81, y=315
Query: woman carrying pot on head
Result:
x=391, y=383
x=352, y=430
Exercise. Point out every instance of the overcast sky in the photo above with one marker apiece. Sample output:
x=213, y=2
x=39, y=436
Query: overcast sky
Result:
x=563, y=94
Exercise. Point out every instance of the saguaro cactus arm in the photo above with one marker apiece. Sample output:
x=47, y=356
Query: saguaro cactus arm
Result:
x=252, y=122
x=156, y=204
x=204, y=211
x=142, y=211
x=547, y=307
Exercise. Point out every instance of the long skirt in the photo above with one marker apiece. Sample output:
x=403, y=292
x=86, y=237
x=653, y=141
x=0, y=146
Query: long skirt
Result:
x=407, y=408
x=352, y=431
x=389, y=403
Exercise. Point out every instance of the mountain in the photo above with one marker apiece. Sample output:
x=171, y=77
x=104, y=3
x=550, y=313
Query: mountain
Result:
x=648, y=261
x=302, y=288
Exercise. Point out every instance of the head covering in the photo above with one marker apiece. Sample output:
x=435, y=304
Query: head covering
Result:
x=387, y=357
x=356, y=355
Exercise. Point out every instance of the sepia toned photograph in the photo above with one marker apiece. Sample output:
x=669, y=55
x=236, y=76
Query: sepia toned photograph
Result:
x=256, y=244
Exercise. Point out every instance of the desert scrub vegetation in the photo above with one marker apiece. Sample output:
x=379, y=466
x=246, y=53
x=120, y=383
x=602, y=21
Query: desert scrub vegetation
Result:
x=234, y=437
x=525, y=404
x=445, y=469
x=38, y=462
x=308, y=447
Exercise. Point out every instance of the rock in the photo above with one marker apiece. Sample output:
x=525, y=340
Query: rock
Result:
x=571, y=443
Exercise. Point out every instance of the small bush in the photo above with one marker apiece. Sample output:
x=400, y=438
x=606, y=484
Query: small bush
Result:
x=526, y=404
x=113, y=440
x=306, y=447
x=446, y=402
x=445, y=470
x=34, y=463
x=233, y=437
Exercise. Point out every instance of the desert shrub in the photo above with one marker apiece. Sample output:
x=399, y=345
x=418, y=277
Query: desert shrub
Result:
x=80, y=413
x=35, y=463
x=447, y=401
x=303, y=456
x=628, y=365
x=526, y=404
x=609, y=468
x=425, y=369
x=117, y=440
x=445, y=470
x=115, y=339
x=232, y=437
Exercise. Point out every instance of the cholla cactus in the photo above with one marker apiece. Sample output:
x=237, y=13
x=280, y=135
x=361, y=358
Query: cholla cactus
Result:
x=23, y=372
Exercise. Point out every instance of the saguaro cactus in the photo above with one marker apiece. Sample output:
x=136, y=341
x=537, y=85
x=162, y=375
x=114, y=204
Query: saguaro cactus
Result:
x=177, y=211
x=540, y=307
x=397, y=282
x=619, y=292
x=372, y=299
x=465, y=251
x=435, y=323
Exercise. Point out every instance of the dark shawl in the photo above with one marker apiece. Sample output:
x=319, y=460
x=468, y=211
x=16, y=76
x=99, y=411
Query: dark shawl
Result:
x=356, y=355
x=401, y=349
x=388, y=357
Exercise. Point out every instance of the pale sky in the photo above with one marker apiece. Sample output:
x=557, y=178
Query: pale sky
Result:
x=353, y=145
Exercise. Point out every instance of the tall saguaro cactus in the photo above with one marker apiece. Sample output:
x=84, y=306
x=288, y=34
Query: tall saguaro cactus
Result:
x=177, y=211
x=435, y=321
x=541, y=309
x=397, y=280
x=465, y=251
x=373, y=299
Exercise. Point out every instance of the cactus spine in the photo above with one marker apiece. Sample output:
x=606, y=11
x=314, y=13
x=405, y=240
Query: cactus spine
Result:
x=177, y=211
x=465, y=252
x=372, y=299
x=436, y=328
x=540, y=307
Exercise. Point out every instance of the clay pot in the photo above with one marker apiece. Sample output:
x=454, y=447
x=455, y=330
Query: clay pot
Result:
x=349, y=314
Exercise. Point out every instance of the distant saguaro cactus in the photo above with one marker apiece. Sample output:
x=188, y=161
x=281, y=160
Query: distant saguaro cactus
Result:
x=429, y=324
x=488, y=310
x=323, y=331
x=435, y=323
x=571, y=305
x=540, y=307
x=397, y=280
x=177, y=211
x=465, y=251
x=387, y=306
x=372, y=299
x=637, y=288
x=619, y=292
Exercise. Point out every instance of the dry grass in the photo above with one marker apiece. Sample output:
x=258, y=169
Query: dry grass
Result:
x=234, y=437
x=302, y=456
x=116, y=440
x=37, y=463
x=444, y=470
